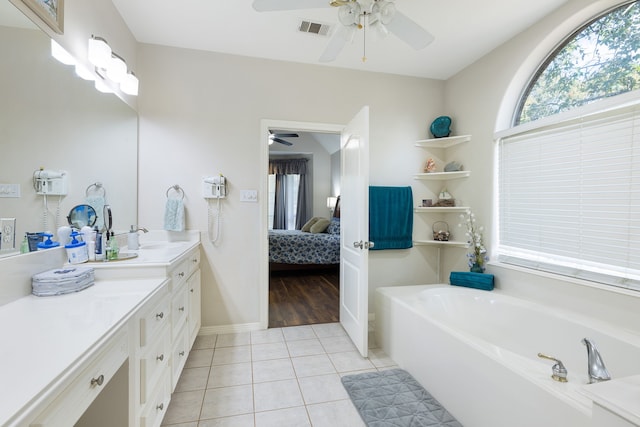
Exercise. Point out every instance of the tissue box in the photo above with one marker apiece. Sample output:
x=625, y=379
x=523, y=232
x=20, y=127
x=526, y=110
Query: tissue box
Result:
x=472, y=280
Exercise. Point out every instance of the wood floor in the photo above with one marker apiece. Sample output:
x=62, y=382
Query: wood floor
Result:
x=304, y=298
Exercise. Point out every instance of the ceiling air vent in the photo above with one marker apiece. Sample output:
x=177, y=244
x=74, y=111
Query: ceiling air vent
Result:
x=314, y=28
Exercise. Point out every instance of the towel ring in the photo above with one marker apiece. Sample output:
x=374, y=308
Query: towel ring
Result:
x=97, y=186
x=177, y=189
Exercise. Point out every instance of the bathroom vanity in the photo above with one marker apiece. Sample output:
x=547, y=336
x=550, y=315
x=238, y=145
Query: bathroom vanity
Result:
x=110, y=354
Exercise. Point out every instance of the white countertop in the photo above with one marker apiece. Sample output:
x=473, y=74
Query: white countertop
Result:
x=44, y=338
x=620, y=396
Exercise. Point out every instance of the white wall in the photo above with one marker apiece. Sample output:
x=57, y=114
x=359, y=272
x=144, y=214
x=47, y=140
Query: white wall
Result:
x=482, y=99
x=200, y=114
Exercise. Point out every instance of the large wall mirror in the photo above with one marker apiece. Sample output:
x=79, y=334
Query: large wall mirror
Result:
x=51, y=118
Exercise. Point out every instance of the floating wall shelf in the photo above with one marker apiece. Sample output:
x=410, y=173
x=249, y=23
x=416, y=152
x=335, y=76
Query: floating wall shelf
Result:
x=443, y=142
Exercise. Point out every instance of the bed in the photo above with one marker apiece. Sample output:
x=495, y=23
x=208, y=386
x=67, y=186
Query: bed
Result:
x=296, y=249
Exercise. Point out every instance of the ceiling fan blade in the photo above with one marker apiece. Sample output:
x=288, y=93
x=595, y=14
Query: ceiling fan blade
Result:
x=281, y=141
x=409, y=32
x=271, y=5
x=336, y=44
x=285, y=135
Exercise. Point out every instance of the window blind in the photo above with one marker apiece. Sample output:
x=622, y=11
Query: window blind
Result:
x=569, y=197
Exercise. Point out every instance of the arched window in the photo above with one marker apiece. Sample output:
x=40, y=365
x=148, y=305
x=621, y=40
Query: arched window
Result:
x=599, y=60
x=569, y=178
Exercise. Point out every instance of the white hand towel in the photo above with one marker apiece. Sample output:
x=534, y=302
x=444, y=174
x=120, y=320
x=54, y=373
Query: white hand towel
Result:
x=174, y=215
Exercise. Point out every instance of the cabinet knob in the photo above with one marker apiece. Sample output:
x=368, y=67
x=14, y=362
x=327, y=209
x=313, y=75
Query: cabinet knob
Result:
x=181, y=309
x=160, y=358
x=181, y=353
x=160, y=315
x=191, y=290
x=97, y=381
x=160, y=407
x=195, y=260
x=181, y=274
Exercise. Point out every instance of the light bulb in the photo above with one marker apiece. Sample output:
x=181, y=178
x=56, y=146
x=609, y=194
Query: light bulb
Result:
x=99, y=52
x=102, y=86
x=130, y=84
x=59, y=53
x=84, y=73
x=117, y=69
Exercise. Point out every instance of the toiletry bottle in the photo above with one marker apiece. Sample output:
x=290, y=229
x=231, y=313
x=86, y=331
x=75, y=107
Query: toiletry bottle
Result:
x=76, y=250
x=112, y=251
x=24, y=246
x=99, y=245
x=132, y=239
x=47, y=244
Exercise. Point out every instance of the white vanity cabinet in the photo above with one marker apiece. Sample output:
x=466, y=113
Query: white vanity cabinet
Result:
x=165, y=338
x=185, y=310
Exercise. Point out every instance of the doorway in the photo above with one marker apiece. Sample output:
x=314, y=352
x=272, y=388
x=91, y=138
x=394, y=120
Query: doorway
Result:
x=301, y=295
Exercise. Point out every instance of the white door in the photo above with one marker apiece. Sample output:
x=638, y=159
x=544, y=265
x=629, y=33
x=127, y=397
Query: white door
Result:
x=354, y=225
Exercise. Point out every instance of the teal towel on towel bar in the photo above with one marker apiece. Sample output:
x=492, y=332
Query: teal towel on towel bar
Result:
x=391, y=217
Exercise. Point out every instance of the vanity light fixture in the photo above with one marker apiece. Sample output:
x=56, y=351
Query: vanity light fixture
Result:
x=111, y=68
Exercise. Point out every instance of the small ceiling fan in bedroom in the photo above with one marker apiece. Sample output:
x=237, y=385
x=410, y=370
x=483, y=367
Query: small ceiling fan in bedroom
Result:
x=356, y=15
x=277, y=137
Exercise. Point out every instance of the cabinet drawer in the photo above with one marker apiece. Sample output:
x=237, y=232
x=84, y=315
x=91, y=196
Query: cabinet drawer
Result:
x=69, y=406
x=154, y=320
x=154, y=362
x=194, y=260
x=156, y=408
x=179, y=355
x=180, y=273
x=179, y=308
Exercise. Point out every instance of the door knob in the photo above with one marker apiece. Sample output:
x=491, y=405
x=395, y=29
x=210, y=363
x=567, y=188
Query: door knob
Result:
x=369, y=245
x=358, y=244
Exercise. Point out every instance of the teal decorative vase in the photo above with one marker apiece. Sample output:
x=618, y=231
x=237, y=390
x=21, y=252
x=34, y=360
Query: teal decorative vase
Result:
x=476, y=268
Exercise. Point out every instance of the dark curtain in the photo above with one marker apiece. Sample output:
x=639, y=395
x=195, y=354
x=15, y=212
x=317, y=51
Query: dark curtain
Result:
x=280, y=204
x=280, y=168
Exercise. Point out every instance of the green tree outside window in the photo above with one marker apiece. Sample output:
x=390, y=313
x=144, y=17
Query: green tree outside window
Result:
x=600, y=60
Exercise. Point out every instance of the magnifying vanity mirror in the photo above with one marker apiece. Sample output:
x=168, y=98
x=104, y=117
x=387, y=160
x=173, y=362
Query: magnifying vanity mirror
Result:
x=52, y=119
x=82, y=216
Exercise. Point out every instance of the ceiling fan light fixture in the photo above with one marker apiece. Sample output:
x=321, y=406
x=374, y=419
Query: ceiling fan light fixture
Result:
x=349, y=14
x=387, y=10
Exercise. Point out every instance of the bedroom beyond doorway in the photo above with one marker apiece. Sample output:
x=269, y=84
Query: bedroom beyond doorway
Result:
x=304, y=298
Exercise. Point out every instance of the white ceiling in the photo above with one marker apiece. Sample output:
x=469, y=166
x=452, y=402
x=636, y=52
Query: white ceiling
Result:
x=464, y=31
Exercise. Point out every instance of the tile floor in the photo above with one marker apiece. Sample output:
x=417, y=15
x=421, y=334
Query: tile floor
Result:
x=277, y=377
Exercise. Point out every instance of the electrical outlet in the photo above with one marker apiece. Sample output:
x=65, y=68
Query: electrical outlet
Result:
x=8, y=229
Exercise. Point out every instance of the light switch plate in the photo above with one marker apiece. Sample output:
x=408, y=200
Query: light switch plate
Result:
x=249, y=196
x=9, y=190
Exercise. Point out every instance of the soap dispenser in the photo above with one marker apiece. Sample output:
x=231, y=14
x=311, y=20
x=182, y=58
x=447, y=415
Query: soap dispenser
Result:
x=76, y=250
x=133, y=243
x=47, y=244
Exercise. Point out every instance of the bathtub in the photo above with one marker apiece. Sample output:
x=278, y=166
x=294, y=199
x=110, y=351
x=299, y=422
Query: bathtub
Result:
x=476, y=352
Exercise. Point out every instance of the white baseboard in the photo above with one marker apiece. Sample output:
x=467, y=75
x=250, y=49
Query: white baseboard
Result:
x=244, y=327
x=229, y=329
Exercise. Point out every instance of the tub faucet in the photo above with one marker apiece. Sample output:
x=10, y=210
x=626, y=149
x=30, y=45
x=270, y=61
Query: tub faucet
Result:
x=595, y=366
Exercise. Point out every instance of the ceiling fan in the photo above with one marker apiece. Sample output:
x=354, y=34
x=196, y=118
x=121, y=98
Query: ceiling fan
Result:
x=277, y=137
x=354, y=15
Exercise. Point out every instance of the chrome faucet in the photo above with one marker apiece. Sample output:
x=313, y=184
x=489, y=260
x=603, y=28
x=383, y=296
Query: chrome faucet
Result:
x=595, y=366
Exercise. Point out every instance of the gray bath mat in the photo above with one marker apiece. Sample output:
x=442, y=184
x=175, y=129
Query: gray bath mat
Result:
x=395, y=398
